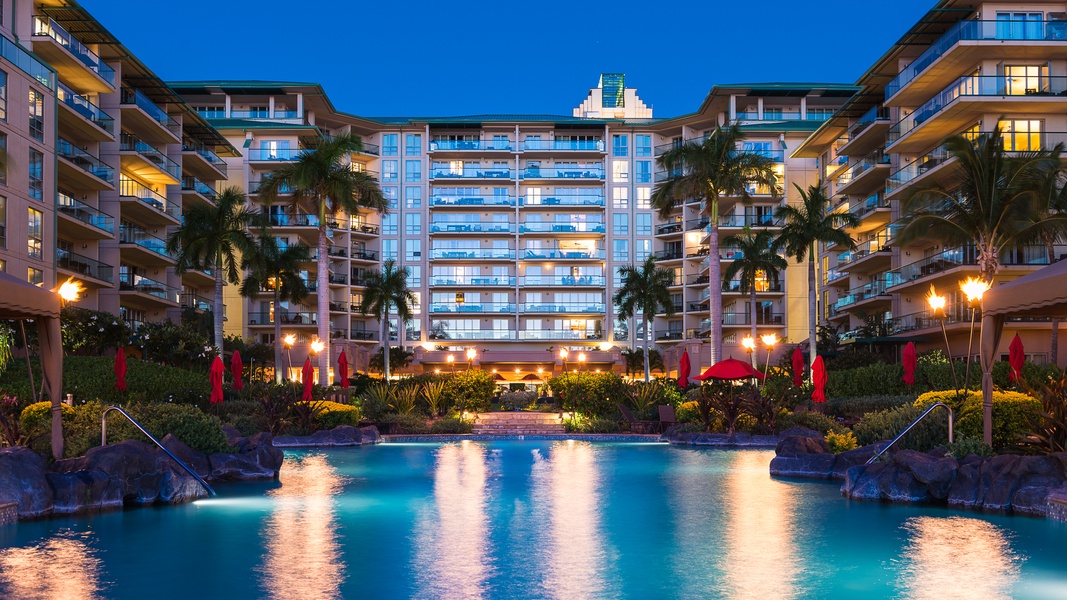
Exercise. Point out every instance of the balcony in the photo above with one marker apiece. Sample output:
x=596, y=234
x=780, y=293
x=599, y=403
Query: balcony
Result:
x=148, y=204
x=874, y=289
x=360, y=335
x=359, y=226
x=594, y=200
x=78, y=64
x=862, y=209
x=196, y=188
x=779, y=115
x=202, y=159
x=79, y=114
x=670, y=335
x=365, y=255
x=150, y=249
x=277, y=114
x=287, y=318
x=669, y=228
x=749, y=220
x=591, y=145
x=253, y=188
x=84, y=267
x=337, y=279
x=737, y=319
x=563, y=280
x=558, y=254
x=148, y=162
x=967, y=256
x=867, y=133
x=149, y=289
x=695, y=224
x=496, y=145
x=762, y=287
x=568, y=227
x=698, y=280
x=274, y=155
x=28, y=63
x=89, y=222
x=472, y=334
x=561, y=334
x=472, y=254
x=196, y=302
x=369, y=149
x=82, y=168
x=441, y=200
x=292, y=220
x=542, y=307
x=472, y=280
x=472, y=227
x=152, y=122
x=569, y=173
x=866, y=175
x=472, y=307
x=668, y=255
x=438, y=173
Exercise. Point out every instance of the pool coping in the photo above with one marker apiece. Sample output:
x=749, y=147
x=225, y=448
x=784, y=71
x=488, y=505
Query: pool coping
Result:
x=589, y=437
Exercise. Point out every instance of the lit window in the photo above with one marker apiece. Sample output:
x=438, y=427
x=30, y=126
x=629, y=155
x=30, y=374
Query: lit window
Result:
x=36, y=173
x=37, y=115
x=34, y=233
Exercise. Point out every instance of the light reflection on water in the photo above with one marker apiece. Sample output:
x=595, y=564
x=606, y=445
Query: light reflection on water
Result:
x=302, y=559
x=452, y=553
x=956, y=557
x=63, y=566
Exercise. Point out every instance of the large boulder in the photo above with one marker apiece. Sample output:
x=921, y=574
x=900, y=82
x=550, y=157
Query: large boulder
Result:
x=130, y=464
x=936, y=474
x=257, y=459
x=997, y=481
x=808, y=466
x=22, y=480
x=342, y=435
x=852, y=458
x=861, y=482
x=80, y=491
x=796, y=446
x=963, y=493
x=197, y=461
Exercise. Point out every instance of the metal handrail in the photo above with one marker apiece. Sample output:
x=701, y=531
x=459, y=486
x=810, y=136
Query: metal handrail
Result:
x=103, y=442
x=913, y=424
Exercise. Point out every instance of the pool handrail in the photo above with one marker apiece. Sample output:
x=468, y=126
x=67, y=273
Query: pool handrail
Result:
x=103, y=442
x=913, y=424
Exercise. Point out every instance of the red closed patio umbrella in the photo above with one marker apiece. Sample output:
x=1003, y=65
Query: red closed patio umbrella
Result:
x=798, y=367
x=819, y=378
x=120, y=370
x=909, y=360
x=1016, y=358
x=307, y=373
x=342, y=369
x=684, y=370
x=237, y=368
x=217, y=369
x=731, y=368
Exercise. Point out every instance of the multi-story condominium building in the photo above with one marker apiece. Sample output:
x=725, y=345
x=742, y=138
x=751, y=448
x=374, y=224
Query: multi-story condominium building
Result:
x=101, y=158
x=966, y=68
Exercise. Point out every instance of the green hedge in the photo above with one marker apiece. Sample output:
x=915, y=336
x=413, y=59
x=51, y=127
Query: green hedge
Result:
x=453, y=425
x=334, y=414
x=470, y=391
x=811, y=420
x=1010, y=414
x=887, y=424
x=882, y=379
x=855, y=408
x=591, y=394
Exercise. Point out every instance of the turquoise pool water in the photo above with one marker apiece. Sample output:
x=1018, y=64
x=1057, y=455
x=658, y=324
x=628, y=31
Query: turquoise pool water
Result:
x=533, y=520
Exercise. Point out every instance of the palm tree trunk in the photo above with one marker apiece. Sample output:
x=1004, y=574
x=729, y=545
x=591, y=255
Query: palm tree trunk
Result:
x=277, y=333
x=647, y=370
x=385, y=344
x=715, y=283
x=752, y=307
x=323, y=277
x=1054, y=339
x=813, y=351
x=216, y=310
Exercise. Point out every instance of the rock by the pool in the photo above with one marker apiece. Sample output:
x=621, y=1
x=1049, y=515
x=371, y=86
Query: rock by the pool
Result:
x=342, y=435
x=22, y=480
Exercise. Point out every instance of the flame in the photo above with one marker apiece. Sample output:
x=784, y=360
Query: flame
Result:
x=974, y=288
x=936, y=302
x=70, y=290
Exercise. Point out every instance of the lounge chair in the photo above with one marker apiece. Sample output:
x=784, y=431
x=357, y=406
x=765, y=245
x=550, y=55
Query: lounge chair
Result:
x=666, y=417
x=636, y=426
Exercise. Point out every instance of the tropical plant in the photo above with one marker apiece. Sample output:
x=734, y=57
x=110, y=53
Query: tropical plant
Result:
x=635, y=360
x=404, y=399
x=758, y=260
x=274, y=267
x=707, y=170
x=646, y=396
x=376, y=399
x=1047, y=425
x=91, y=332
x=398, y=358
x=805, y=225
x=388, y=289
x=323, y=182
x=646, y=291
x=433, y=393
x=7, y=344
x=1052, y=203
x=213, y=238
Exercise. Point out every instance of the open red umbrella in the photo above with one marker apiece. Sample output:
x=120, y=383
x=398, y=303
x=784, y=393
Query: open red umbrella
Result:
x=819, y=378
x=684, y=370
x=1016, y=358
x=238, y=369
x=307, y=373
x=217, y=369
x=731, y=368
x=798, y=367
x=120, y=370
x=908, y=360
x=342, y=370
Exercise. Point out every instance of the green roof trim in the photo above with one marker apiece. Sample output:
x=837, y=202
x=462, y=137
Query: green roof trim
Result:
x=249, y=124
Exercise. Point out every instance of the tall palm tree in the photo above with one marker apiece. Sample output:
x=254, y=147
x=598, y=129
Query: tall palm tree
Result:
x=323, y=183
x=758, y=257
x=214, y=237
x=805, y=225
x=387, y=289
x=272, y=266
x=708, y=170
x=1052, y=203
x=645, y=289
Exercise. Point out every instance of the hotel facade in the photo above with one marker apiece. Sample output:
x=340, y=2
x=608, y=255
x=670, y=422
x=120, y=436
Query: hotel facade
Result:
x=513, y=227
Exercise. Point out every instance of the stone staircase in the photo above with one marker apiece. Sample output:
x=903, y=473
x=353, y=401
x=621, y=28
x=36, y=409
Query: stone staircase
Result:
x=518, y=423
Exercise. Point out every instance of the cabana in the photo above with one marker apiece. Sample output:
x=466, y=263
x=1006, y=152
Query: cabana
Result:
x=1042, y=293
x=22, y=300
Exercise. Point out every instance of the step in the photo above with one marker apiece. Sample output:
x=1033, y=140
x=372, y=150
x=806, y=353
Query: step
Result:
x=542, y=428
x=523, y=432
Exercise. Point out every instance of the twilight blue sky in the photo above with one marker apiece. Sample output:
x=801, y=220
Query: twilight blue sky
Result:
x=436, y=58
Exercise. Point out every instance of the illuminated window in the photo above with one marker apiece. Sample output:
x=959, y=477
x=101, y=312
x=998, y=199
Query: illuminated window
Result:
x=1020, y=135
x=37, y=115
x=34, y=233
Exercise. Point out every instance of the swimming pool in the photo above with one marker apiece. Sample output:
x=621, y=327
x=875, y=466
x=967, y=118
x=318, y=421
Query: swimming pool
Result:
x=545, y=519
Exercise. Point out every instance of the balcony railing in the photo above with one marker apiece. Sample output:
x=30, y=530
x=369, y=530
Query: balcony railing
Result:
x=765, y=220
x=474, y=280
x=769, y=115
x=582, y=200
x=968, y=256
x=566, y=280
x=669, y=228
x=192, y=184
x=253, y=187
x=85, y=161
x=472, y=307
x=873, y=202
x=667, y=255
x=472, y=334
x=560, y=334
x=85, y=213
x=46, y=26
x=877, y=113
x=471, y=253
x=761, y=286
x=196, y=302
x=439, y=172
x=867, y=291
x=28, y=63
x=669, y=335
x=472, y=227
x=486, y=200
x=471, y=145
x=274, y=154
x=542, y=307
x=867, y=163
x=286, y=318
x=364, y=255
x=131, y=234
x=85, y=108
x=292, y=220
x=563, y=173
x=738, y=318
x=570, y=227
x=83, y=265
x=364, y=227
x=129, y=188
x=136, y=98
x=557, y=254
x=191, y=145
x=151, y=287
x=595, y=145
x=131, y=143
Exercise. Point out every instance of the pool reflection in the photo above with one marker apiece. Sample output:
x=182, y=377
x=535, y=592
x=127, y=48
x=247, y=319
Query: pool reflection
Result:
x=956, y=557
x=452, y=553
x=303, y=555
x=64, y=566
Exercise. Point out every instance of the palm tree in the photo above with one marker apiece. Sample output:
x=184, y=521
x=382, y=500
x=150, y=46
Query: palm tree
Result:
x=707, y=170
x=277, y=268
x=385, y=289
x=398, y=357
x=1053, y=202
x=323, y=182
x=214, y=237
x=758, y=258
x=805, y=225
x=645, y=289
x=635, y=359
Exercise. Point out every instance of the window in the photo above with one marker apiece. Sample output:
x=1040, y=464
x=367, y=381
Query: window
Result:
x=620, y=197
x=412, y=250
x=3, y=166
x=414, y=275
x=3, y=222
x=388, y=249
x=275, y=149
x=3, y=95
x=211, y=112
x=619, y=145
x=643, y=249
x=413, y=196
x=35, y=276
x=1020, y=135
x=644, y=197
x=1020, y=26
x=644, y=171
x=34, y=233
x=389, y=169
x=389, y=224
x=412, y=170
x=1025, y=79
x=413, y=144
x=620, y=251
x=36, y=170
x=390, y=194
x=643, y=145
x=644, y=224
x=413, y=223
x=37, y=115
x=390, y=143
x=620, y=224
x=620, y=169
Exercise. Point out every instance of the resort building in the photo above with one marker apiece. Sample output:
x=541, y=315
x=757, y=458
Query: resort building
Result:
x=965, y=68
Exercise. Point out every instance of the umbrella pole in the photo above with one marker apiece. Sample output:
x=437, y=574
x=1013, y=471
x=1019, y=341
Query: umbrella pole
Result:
x=29, y=368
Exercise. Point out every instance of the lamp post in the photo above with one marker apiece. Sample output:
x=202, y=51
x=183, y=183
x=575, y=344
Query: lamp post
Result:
x=749, y=344
x=937, y=304
x=288, y=342
x=451, y=360
x=769, y=340
x=581, y=361
x=974, y=289
x=563, y=356
x=316, y=347
x=471, y=355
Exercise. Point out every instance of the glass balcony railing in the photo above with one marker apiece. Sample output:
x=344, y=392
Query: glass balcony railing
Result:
x=490, y=280
x=562, y=173
x=85, y=213
x=47, y=27
x=28, y=63
x=968, y=256
x=877, y=113
x=131, y=143
x=594, y=145
x=85, y=161
x=274, y=154
x=292, y=220
x=131, y=234
x=253, y=187
x=472, y=307
x=567, y=280
x=85, y=108
x=873, y=202
x=569, y=227
x=734, y=286
x=196, y=302
x=561, y=254
x=668, y=228
x=917, y=167
x=472, y=227
x=191, y=145
x=750, y=220
x=445, y=172
x=472, y=334
x=485, y=200
x=151, y=287
x=560, y=334
x=471, y=253
x=364, y=255
x=129, y=188
x=83, y=265
x=192, y=184
x=500, y=145
x=832, y=275
x=778, y=115
x=874, y=159
x=577, y=200
x=286, y=318
x=548, y=307
x=130, y=96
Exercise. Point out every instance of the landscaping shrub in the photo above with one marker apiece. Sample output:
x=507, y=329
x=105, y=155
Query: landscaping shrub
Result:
x=453, y=425
x=375, y=400
x=646, y=397
x=1046, y=430
x=176, y=345
x=965, y=446
x=92, y=332
x=811, y=420
x=517, y=400
x=854, y=408
x=930, y=433
x=840, y=442
x=591, y=394
x=433, y=393
x=582, y=424
x=405, y=398
x=334, y=414
x=687, y=412
x=411, y=423
x=470, y=391
x=1011, y=414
